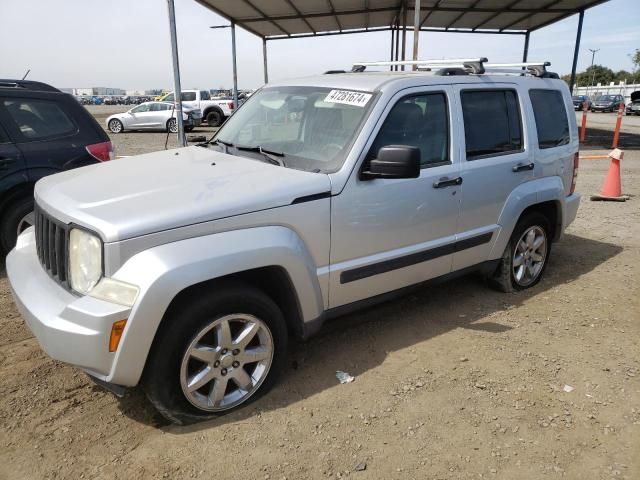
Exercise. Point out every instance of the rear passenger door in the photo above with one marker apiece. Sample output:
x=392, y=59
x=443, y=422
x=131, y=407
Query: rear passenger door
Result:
x=495, y=160
x=11, y=161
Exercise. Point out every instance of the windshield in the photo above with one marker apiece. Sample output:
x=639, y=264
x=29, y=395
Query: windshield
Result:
x=606, y=98
x=579, y=97
x=311, y=127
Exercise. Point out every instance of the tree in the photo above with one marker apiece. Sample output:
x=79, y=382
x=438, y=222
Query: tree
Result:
x=635, y=58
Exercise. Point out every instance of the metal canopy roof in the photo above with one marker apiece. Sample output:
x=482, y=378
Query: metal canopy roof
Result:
x=274, y=19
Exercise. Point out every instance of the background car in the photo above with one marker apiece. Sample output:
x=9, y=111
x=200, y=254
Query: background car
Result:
x=579, y=100
x=153, y=116
x=42, y=131
x=634, y=106
x=607, y=103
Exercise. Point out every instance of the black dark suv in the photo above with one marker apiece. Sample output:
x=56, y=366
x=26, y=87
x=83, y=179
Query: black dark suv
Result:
x=42, y=131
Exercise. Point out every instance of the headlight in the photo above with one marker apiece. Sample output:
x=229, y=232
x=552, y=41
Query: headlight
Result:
x=85, y=261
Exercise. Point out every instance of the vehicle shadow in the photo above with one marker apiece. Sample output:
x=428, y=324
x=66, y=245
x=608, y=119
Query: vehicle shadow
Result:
x=602, y=138
x=3, y=268
x=361, y=341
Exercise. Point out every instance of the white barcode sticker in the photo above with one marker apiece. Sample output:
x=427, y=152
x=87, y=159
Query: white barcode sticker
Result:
x=348, y=97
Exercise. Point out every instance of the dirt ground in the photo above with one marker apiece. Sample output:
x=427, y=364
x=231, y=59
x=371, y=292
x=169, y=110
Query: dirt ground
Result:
x=455, y=381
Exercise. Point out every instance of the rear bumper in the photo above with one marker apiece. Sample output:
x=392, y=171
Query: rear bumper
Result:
x=571, y=204
x=74, y=330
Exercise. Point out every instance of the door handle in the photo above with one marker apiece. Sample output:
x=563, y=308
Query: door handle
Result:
x=520, y=167
x=447, y=182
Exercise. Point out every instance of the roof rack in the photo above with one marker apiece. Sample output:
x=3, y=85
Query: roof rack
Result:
x=27, y=85
x=474, y=65
x=537, y=69
x=466, y=66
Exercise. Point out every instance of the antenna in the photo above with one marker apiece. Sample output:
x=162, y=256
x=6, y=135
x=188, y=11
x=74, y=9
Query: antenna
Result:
x=25, y=75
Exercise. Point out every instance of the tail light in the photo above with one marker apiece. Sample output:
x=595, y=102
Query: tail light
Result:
x=230, y=105
x=576, y=162
x=102, y=152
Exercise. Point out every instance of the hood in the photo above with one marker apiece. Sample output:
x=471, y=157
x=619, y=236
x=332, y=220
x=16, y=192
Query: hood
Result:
x=158, y=191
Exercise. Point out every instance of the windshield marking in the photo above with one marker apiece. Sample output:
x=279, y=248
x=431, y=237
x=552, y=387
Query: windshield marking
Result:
x=348, y=97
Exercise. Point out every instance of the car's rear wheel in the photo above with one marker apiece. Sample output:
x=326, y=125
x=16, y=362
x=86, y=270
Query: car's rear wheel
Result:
x=525, y=258
x=172, y=125
x=215, y=353
x=115, y=126
x=215, y=118
x=18, y=216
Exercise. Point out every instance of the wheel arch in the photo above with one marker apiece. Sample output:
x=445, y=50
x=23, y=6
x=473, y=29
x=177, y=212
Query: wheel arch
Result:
x=544, y=195
x=279, y=265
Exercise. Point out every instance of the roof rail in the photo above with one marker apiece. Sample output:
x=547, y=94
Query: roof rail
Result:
x=473, y=65
x=537, y=69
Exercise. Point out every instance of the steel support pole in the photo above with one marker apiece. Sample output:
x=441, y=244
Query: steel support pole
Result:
x=264, y=59
x=393, y=37
x=177, y=89
x=416, y=31
x=235, y=66
x=576, y=51
x=404, y=32
x=525, y=52
x=397, y=43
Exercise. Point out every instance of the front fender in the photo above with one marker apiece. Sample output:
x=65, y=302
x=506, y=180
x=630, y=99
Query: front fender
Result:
x=164, y=271
x=522, y=197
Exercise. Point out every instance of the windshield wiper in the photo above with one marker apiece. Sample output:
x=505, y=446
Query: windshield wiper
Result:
x=217, y=141
x=270, y=155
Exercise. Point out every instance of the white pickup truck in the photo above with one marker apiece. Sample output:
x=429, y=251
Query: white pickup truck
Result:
x=214, y=111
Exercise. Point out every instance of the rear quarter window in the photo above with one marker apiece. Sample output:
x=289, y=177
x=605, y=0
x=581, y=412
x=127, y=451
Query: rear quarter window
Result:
x=38, y=119
x=550, y=114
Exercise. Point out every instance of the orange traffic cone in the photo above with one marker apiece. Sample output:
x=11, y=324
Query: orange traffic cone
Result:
x=612, y=188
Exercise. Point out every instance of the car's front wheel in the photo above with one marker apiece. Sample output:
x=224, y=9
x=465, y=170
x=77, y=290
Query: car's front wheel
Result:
x=215, y=118
x=215, y=353
x=525, y=258
x=115, y=126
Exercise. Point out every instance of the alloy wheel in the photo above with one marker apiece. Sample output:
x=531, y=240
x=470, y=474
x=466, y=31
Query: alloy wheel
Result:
x=115, y=126
x=226, y=362
x=173, y=125
x=529, y=256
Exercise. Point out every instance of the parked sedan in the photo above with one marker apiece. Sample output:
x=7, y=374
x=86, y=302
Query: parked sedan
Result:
x=153, y=116
x=579, y=101
x=607, y=103
x=633, y=108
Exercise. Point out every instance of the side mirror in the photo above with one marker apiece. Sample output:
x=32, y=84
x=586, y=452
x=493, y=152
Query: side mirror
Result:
x=394, y=161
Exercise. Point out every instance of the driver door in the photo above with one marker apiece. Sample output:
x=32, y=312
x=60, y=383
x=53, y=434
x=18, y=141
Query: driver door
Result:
x=391, y=233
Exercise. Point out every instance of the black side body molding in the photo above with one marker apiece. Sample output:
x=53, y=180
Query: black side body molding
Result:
x=394, y=264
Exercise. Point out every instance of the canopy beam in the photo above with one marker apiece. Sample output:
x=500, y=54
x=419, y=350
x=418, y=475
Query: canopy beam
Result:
x=576, y=50
x=175, y=63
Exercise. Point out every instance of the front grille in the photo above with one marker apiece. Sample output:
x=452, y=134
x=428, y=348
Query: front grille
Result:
x=52, y=244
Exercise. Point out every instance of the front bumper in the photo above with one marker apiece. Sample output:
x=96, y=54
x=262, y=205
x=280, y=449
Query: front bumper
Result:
x=72, y=329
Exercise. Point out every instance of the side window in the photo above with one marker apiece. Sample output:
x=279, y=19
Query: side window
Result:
x=204, y=95
x=551, y=118
x=419, y=121
x=188, y=96
x=38, y=119
x=492, y=124
x=4, y=138
x=168, y=98
x=155, y=107
x=141, y=108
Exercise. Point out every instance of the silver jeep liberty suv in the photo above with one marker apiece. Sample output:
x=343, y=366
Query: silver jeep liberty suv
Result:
x=186, y=271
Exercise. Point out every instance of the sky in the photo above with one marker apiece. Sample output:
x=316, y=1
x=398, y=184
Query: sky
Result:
x=125, y=44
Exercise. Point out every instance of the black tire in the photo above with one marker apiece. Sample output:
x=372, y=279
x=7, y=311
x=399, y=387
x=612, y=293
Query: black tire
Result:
x=503, y=278
x=181, y=325
x=11, y=219
x=117, y=126
x=215, y=118
x=172, y=125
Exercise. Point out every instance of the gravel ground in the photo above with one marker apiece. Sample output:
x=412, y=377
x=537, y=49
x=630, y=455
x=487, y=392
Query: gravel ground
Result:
x=455, y=381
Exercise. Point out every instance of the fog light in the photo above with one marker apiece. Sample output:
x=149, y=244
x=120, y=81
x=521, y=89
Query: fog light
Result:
x=116, y=333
